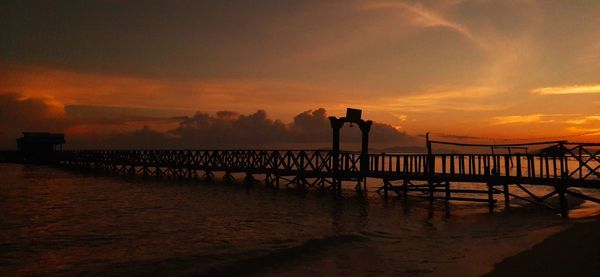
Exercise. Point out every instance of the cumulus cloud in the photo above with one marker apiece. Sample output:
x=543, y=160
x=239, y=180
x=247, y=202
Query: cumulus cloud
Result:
x=227, y=129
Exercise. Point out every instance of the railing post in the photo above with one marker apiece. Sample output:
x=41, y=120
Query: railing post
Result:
x=429, y=169
x=561, y=187
x=489, y=178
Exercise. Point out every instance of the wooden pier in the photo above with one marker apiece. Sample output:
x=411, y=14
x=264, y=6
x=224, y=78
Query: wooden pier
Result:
x=435, y=176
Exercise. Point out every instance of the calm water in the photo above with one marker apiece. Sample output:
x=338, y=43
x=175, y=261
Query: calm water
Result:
x=65, y=223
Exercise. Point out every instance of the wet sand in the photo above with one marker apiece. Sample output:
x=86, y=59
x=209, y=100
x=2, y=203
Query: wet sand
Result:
x=573, y=252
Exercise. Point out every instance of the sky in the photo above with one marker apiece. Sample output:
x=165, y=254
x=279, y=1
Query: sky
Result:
x=118, y=73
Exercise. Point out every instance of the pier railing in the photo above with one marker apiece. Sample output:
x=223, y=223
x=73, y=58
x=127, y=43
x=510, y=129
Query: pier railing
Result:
x=513, y=165
x=578, y=163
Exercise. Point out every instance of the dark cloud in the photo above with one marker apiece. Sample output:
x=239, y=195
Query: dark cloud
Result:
x=227, y=129
x=110, y=114
x=224, y=129
x=19, y=114
x=144, y=138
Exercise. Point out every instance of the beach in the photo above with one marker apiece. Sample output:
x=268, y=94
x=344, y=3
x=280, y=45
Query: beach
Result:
x=572, y=252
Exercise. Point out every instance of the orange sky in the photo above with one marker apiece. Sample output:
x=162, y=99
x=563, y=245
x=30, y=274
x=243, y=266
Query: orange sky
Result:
x=503, y=69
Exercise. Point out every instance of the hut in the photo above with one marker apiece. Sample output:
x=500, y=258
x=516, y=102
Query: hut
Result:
x=39, y=147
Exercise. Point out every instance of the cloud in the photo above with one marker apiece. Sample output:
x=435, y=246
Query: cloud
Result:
x=121, y=127
x=585, y=131
x=514, y=119
x=584, y=120
x=115, y=115
x=469, y=99
x=19, y=113
x=231, y=130
x=423, y=17
x=80, y=91
x=562, y=90
x=459, y=137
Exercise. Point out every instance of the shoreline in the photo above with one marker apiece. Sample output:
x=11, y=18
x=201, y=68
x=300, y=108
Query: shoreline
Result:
x=572, y=252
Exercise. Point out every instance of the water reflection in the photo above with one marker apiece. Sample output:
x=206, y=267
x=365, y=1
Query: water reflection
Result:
x=60, y=222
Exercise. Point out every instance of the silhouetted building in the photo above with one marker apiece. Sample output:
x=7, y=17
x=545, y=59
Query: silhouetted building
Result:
x=39, y=147
x=553, y=151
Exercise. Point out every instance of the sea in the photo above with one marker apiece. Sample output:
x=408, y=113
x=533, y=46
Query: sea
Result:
x=59, y=222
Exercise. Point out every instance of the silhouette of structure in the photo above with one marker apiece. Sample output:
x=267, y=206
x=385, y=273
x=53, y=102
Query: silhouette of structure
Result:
x=40, y=142
x=562, y=166
x=352, y=116
x=38, y=147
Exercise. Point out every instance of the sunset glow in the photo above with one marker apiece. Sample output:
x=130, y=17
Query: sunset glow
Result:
x=300, y=138
x=511, y=70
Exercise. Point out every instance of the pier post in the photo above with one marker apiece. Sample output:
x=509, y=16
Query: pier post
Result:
x=249, y=179
x=561, y=187
x=447, y=187
x=385, y=187
x=208, y=176
x=564, y=210
x=158, y=172
x=489, y=178
x=228, y=178
x=429, y=168
x=506, y=195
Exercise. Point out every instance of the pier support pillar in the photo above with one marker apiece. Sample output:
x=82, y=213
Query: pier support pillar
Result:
x=228, y=178
x=506, y=196
x=386, y=184
x=490, y=197
x=490, y=185
x=430, y=186
x=564, y=205
x=447, y=190
x=208, y=176
x=249, y=179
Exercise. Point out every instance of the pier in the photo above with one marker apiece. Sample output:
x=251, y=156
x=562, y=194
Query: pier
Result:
x=437, y=176
x=567, y=168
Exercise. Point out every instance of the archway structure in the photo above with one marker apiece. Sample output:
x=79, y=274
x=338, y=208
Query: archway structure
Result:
x=352, y=116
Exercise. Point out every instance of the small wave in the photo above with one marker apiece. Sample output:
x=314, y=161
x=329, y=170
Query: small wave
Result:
x=224, y=264
x=255, y=264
